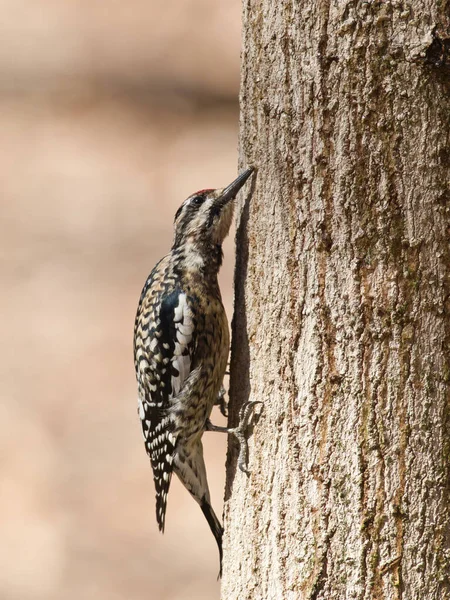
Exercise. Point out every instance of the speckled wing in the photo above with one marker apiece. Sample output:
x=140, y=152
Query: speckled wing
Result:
x=164, y=348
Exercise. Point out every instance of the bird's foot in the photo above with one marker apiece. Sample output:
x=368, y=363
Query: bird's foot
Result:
x=221, y=402
x=239, y=432
x=245, y=416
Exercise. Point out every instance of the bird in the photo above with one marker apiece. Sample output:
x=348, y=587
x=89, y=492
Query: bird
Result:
x=181, y=347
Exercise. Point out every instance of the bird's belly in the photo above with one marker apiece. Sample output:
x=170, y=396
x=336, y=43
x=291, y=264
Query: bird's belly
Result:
x=213, y=350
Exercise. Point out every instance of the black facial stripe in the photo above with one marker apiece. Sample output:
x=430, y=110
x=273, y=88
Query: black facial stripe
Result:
x=178, y=213
x=193, y=205
x=214, y=212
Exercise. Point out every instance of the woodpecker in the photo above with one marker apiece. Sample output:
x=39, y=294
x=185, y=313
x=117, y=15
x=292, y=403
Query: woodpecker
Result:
x=181, y=346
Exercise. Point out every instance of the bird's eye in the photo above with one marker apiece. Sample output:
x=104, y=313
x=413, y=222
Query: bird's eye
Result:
x=197, y=200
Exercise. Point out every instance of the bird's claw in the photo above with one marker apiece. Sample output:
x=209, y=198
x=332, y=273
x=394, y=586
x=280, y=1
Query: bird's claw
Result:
x=240, y=431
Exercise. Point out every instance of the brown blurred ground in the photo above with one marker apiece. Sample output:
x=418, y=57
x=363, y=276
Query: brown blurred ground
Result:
x=110, y=114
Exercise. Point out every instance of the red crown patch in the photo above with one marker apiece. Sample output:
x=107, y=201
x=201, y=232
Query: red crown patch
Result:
x=203, y=192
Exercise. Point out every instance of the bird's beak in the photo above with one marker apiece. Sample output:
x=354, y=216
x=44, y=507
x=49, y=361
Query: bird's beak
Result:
x=230, y=192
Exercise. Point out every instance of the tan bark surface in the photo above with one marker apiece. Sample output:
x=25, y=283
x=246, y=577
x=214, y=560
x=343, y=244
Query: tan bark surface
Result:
x=342, y=304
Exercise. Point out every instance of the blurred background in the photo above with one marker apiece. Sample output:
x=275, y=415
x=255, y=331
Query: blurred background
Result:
x=111, y=113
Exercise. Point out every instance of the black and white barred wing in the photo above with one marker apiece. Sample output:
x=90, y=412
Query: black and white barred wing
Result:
x=163, y=363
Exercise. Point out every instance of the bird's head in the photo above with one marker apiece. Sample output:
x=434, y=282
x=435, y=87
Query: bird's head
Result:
x=203, y=220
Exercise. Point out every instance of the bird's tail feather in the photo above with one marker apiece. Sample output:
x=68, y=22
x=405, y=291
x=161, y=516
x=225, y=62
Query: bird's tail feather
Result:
x=215, y=527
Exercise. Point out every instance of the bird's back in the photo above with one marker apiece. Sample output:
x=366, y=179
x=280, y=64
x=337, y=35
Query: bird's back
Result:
x=181, y=346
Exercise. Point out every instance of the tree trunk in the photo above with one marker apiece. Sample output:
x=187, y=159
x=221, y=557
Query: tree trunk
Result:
x=342, y=322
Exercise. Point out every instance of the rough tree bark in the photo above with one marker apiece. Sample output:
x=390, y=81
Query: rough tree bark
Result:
x=342, y=323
